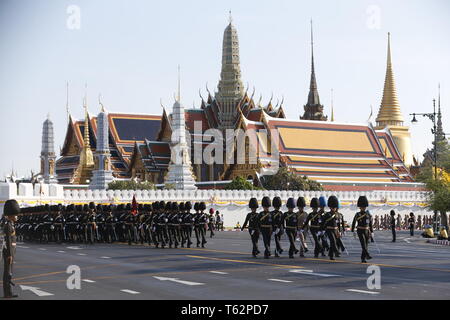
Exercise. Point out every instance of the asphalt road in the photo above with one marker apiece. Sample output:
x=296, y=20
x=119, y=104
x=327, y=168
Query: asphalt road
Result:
x=409, y=269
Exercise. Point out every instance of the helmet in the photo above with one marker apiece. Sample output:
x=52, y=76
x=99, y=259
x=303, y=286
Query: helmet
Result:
x=155, y=206
x=91, y=205
x=301, y=202
x=290, y=203
x=333, y=202
x=266, y=203
x=276, y=202
x=174, y=206
x=188, y=206
x=253, y=203
x=314, y=203
x=202, y=206
x=322, y=201
x=181, y=206
x=11, y=208
x=196, y=206
x=362, y=202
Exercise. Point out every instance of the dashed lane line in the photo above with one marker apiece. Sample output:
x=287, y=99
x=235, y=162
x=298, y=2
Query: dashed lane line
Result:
x=219, y=272
x=105, y=257
x=88, y=281
x=363, y=291
x=81, y=254
x=280, y=280
x=130, y=291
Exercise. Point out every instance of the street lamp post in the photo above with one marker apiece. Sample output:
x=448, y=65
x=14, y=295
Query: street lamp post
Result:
x=432, y=117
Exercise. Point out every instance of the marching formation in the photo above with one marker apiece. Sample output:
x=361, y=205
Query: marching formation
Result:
x=326, y=228
x=162, y=224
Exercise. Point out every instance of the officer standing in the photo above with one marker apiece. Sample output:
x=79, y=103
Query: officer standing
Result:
x=10, y=212
x=278, y=223
x=364, y=226
x=392, y=225
x=265, y=223
x=314, y=218
x=330, y=226
x=202, y=222
x=291, y=221
x=252, y=221
x=411, y=224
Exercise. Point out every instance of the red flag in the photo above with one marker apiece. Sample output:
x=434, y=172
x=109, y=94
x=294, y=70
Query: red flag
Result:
x=134, y=206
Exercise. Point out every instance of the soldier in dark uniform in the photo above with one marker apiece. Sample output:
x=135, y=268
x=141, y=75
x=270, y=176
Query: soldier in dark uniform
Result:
x=265, y=223
x=110, y=225
x=196, y=222
x=161, y=227
x=341, y=229
x=330, y=226
x=392, y=225
x=278, y=225
x=202, y=223
x=47, y=224
x=174, y=225
x=301, y=219
x=322, y=233
x=291, y=221
x=253, y=228
x=10, y=212
x=411, y=224
x=60, y=226
x=130, y=225
x=90, y=224
x=187, y=225
x=315, y=220
x=363, y=222
x=211, y=222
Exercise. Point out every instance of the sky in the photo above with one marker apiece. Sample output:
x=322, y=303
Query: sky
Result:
x=128, y=51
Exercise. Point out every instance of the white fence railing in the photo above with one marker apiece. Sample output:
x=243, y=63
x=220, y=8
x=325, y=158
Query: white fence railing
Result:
x=232, y=203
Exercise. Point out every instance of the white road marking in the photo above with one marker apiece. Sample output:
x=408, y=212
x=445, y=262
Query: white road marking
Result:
x=23, y=247
x=74, y=248
x=42, y=249
x=407, y=240
x=81, y=254
x=219, y=272
x=311, y=273
x=105, y=257
x=87, y=280
x=362, y=291
x=36, y=291
x=61, y=251
x=129, y=291
x=189, y=283
x=279, y=280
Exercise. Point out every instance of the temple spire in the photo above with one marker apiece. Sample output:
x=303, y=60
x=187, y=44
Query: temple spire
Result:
x=389, y=113
x=230, y=84
x=313, y=108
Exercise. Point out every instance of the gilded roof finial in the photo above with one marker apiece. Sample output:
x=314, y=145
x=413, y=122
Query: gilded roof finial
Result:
x=332, y=106
x=230, y=18
x=100, y=102
x=67, y=102
x=179, y=85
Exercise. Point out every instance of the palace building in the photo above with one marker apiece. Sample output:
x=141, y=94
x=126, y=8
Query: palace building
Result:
x=339, y=155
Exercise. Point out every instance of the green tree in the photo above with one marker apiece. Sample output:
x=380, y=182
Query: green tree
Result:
x=239, y=183
x=130, y=185
x=286, y=180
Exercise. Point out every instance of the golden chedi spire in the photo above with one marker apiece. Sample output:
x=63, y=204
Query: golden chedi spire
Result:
x=86, y=165
x=390, y=116
x=389, y=113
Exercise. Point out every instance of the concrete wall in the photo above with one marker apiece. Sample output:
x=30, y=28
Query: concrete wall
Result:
x=232, y=203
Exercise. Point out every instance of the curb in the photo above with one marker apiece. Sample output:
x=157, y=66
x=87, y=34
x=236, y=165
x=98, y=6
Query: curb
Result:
x=441, y=242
